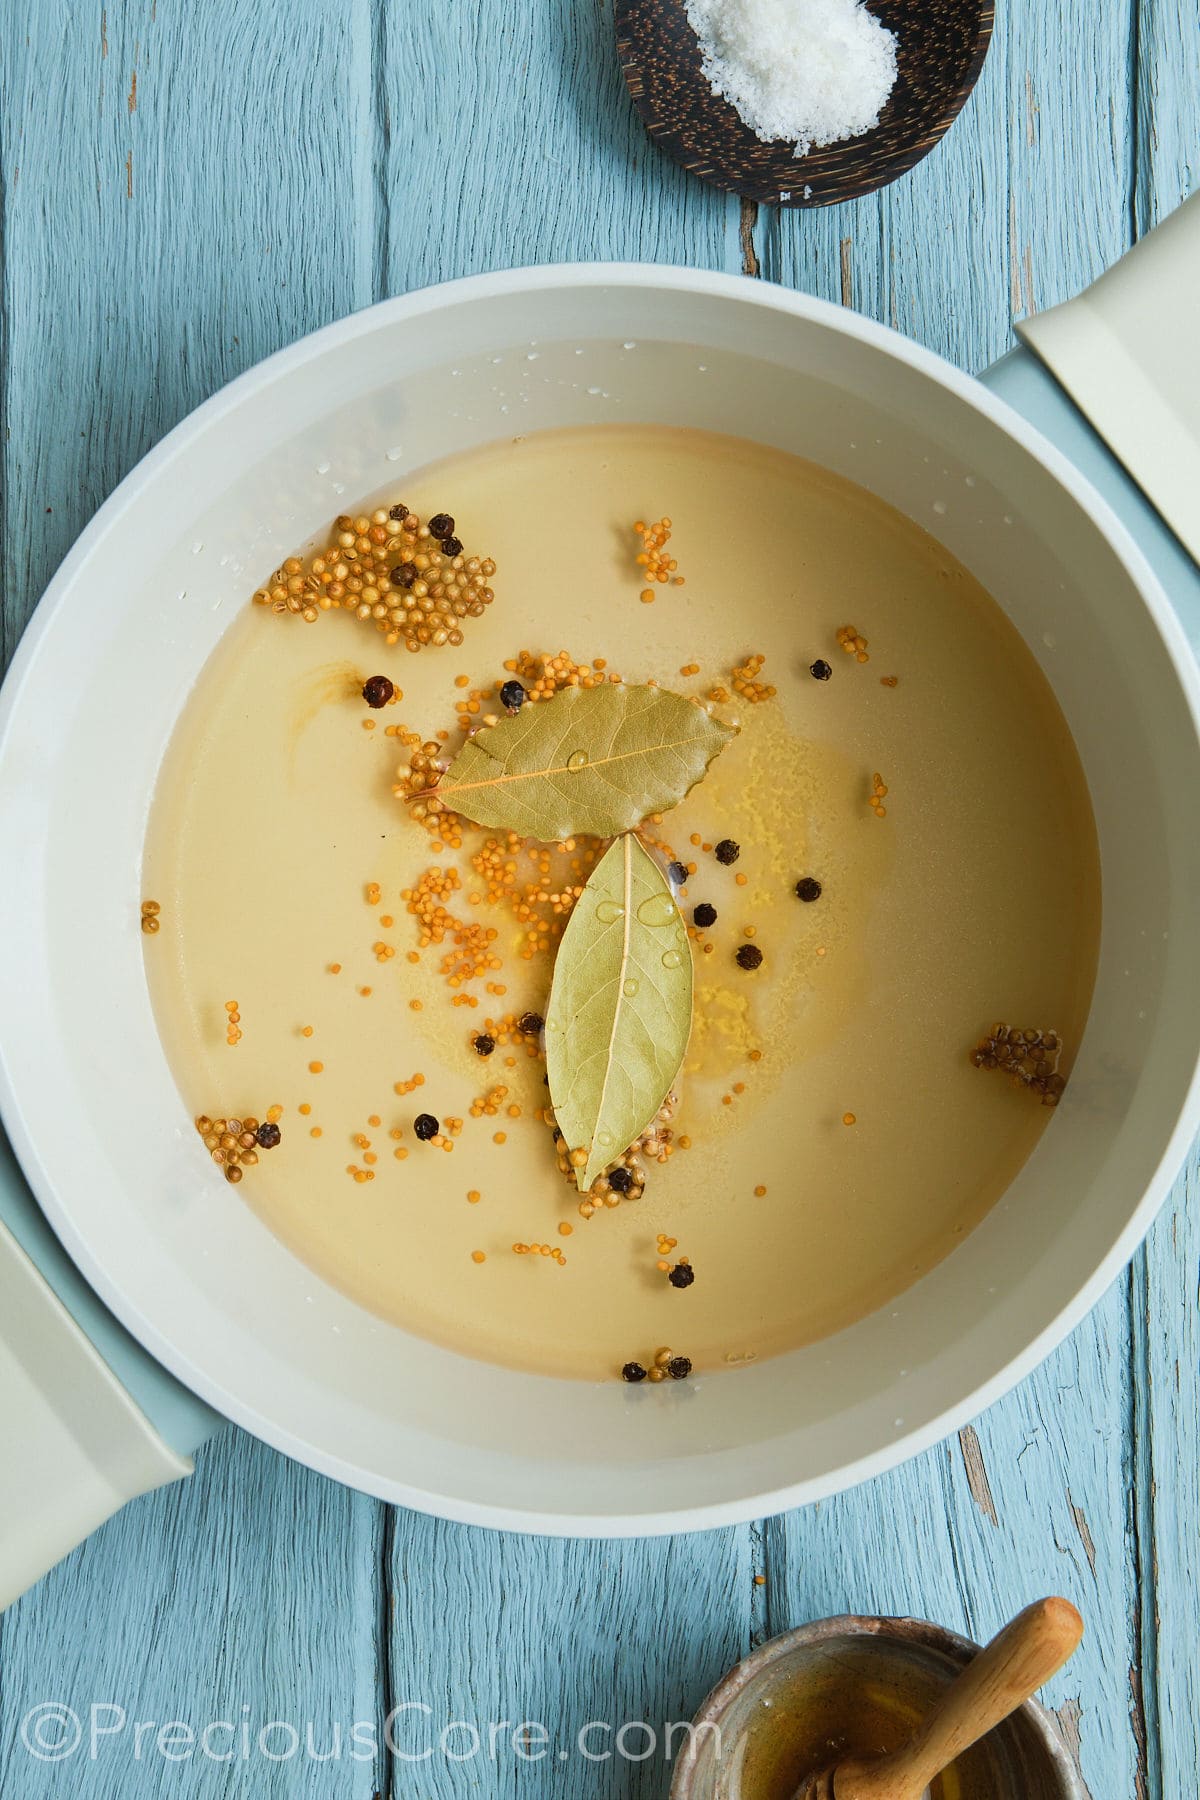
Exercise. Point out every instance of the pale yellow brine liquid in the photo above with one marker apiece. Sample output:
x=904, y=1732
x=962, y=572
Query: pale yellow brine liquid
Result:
x=975, y=898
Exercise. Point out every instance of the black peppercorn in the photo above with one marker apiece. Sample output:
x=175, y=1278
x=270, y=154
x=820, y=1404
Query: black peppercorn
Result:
x=530, y=1023
x=808, y=889
x=399, y=511
x=441, y=525
x=620, y=1179
x=749, y=957
x=513, y=696
x=267, y=1135
x=425, y=1126
x=484, y=1044
x=682, y=1275
x=377, y=691
x=820, y=670
x=727, y=851
x=452, y=546
x=404, y=574
x=678, y=873
x=679, y=1368
x=633, y=1371
x=704, y=914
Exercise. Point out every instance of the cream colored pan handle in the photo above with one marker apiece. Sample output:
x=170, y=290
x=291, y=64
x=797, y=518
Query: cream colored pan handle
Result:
x=74, y=1447
x=1128, y=353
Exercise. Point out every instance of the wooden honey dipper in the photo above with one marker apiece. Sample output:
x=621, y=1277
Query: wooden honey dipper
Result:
x=1029, y=1650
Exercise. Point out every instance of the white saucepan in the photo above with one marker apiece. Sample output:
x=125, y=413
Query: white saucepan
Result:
x=145, y=595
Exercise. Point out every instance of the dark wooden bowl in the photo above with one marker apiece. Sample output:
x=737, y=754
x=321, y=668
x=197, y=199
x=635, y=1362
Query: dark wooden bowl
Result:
x=941, y=47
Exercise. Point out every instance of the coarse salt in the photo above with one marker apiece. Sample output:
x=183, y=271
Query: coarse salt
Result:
x=813, y=71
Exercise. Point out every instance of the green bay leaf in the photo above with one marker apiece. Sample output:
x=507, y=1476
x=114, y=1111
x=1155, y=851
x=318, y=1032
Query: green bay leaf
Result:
x=591, y=760
x=620, y=1009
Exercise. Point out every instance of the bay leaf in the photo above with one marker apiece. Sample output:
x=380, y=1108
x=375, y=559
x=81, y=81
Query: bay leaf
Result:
x=590, y=761
x=620, y=1008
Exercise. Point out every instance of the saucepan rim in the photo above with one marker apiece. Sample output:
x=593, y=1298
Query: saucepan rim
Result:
x=285, y=365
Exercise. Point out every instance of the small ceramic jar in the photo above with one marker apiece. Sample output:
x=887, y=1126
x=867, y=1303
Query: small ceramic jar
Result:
x=857, y=1686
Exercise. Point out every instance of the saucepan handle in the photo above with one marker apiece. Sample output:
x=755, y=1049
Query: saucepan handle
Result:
x=1127, y=350
x=74, y=1445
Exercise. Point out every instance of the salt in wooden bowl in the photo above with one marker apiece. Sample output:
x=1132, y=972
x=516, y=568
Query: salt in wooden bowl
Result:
x=941, y=45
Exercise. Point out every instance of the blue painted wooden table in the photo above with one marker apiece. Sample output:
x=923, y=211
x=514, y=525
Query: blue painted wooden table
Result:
x=185, y=186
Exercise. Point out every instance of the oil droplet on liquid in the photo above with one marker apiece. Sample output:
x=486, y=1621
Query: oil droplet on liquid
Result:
x=577, y=759
x=609, y=911
x=657, y=909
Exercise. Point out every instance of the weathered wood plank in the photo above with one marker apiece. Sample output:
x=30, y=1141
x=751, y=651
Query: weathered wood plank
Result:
x=488, y=1627
x=1166, y=54
x=247, y=1595
x=552, y=165
x=1025, y=202
x=1165, y=1303
x=1030, y=1500
x=185, y=188
x=1166, y=59
x=1166, y=1495
x=1070, y=113
x=510, y=139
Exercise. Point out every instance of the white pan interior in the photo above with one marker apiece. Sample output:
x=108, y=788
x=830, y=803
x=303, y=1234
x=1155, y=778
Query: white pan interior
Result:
x=97, y=688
